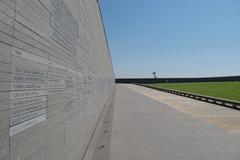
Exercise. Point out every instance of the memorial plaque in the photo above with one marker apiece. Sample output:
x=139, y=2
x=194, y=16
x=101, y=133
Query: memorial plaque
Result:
x=22, y=126
x=55, y=80
x=65, y=28
x=28, y=94
x=28, y=71
x=27, y=101
x=28, y=86
x=60, y=77
x=28, y=79
x=70, y=95
x=25, y=109
x=29, y=89
x=28, y=116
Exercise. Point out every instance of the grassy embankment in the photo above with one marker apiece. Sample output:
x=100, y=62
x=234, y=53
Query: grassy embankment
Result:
x=223, y=90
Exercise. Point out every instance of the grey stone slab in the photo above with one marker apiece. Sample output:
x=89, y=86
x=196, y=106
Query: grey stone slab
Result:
x=5, y=103
x=6, y=28
x=64, y=52
x=47, y=4
x=4, y=143
x=5, y=38
x=59, y=59
x=55, y=149
x=18, y=34
x=4, y=120
x=4, y=96
x=34, y=7
x=6, y=19
x=39, y=156
x=29, y=48
x=55, y=109
x=4, y=86
x=37, y=40
x=7, y=7
x=30, y=12
x=27, y=23
x=56, y=99
x=9, y=3
x=34, y=35
x=38, y=8
x=4, y=77
x=5, y=53
x=55, y=129
x=28, y=143
x=4, y=67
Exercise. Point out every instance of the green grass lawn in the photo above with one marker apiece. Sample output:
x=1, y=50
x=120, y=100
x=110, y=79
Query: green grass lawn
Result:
x=224, y=90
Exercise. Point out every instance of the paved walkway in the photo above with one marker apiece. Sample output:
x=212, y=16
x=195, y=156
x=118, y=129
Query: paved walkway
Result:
x=144, y=128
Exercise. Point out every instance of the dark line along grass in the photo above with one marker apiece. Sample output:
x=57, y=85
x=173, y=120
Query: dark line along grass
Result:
x=224, y=90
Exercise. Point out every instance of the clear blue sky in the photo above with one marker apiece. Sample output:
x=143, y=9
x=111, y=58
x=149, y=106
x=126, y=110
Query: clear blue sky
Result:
x=175, y=38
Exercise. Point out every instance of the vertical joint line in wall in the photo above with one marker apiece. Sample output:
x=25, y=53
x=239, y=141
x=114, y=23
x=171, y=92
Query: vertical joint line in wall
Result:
x=64, y=94
x=10, y=67
x=46, y=139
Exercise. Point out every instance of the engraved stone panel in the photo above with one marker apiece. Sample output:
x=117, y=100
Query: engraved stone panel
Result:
x=65, y=28
x=55, y=77
x=29, y=86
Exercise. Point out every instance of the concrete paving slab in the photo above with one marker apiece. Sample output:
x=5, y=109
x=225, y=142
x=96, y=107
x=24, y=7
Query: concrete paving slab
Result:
x=222, y=117
x=146, y=129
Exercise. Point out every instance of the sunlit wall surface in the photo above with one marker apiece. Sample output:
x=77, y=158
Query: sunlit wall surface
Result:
x=55, y=77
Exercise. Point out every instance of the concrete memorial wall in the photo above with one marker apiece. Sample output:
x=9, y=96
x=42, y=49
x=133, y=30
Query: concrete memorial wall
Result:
x=55, y=77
